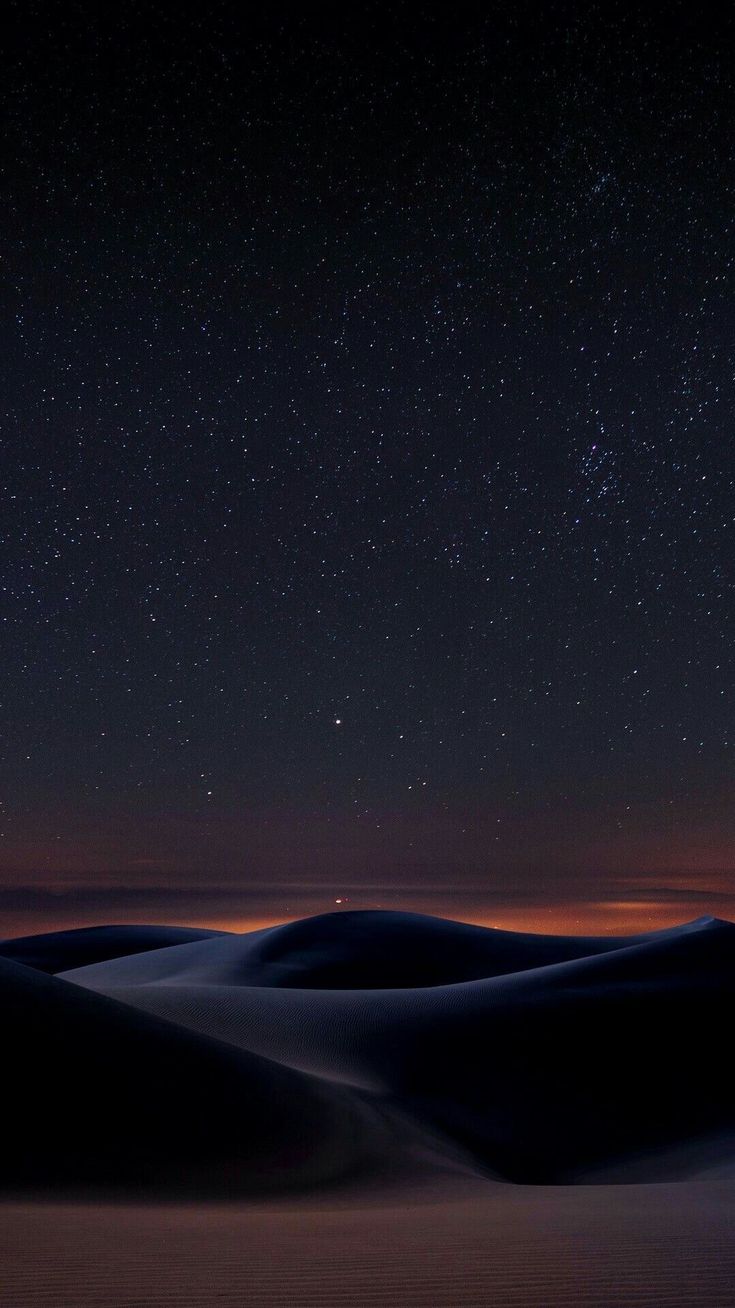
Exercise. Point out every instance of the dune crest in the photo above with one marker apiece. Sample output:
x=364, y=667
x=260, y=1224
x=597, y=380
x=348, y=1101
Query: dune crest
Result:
x=60, y=950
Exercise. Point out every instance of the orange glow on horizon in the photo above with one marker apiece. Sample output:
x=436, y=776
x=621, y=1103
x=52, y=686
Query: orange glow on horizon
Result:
x=606, y=917
x=601, y=917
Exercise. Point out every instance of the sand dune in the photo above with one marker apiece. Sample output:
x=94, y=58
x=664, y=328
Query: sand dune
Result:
x=362, y=950
x=59, y=950
x=360, y=1088
x=554, y=1063
x=99, y=1095
x=281, y=1057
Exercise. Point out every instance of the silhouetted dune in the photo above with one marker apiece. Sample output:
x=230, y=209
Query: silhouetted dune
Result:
x=385, y=950
x=98, y=1094
x=552, y=1063
x=366, y=950
x=582, y=1063
x=57, y=951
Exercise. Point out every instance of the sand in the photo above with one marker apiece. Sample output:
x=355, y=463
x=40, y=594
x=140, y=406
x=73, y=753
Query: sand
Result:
x=448, y=1245
x=368, y=1109
x=566, y=1055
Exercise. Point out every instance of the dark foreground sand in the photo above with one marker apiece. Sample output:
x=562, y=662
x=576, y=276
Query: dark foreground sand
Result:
x=455, y=1242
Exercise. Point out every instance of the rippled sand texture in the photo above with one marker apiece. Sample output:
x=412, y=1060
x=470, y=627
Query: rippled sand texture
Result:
x=521, y=1246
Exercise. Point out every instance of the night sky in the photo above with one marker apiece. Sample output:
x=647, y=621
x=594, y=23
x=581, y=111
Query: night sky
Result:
x=367, y=463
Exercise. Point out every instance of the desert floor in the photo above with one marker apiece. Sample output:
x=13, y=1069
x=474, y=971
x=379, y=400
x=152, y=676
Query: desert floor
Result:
x=439, y=1241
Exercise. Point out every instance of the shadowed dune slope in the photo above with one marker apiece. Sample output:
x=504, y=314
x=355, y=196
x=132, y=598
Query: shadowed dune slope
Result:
x=57, y=951
x=98, y=1094
x=541, y=1072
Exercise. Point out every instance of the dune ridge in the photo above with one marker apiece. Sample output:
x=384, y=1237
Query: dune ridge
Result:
x=58, y=951
x=367, y=949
